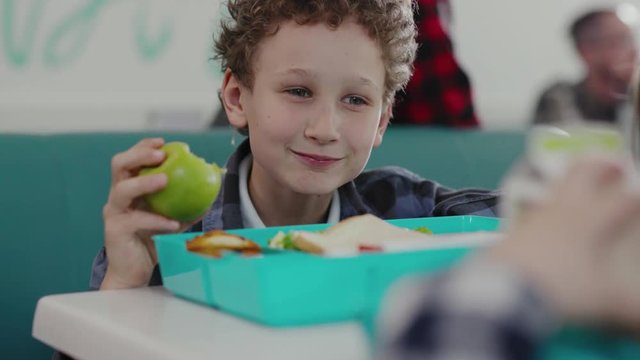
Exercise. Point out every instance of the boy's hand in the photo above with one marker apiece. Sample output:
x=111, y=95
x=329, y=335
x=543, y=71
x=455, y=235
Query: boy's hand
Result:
x=581, y=246
x=128, y=227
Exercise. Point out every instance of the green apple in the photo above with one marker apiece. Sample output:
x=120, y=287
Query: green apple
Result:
x=192, y=185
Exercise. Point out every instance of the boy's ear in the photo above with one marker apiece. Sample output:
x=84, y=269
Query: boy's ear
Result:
x=385, y=117
x=230, y=95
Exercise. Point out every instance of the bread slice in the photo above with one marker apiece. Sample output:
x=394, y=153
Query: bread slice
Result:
x=349, y=235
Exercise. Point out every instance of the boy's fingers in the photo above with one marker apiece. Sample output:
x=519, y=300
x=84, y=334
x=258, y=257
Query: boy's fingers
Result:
x=125, y=192
x=587, y=183
x=141, y=222
x=152, y=223
x=621, y=256
x=145, y=153
x=594, y=172
x=150, y=142
x=621, y=210
x=605, y=183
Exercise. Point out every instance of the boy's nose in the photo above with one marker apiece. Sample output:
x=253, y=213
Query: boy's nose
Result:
x=322, y=127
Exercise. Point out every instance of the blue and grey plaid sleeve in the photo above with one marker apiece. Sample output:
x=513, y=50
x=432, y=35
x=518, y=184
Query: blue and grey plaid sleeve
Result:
x=396, y=193
x=481, y=310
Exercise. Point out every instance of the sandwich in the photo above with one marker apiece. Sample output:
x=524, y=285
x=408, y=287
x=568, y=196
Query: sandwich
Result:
x=357, y=234
x=368, y=233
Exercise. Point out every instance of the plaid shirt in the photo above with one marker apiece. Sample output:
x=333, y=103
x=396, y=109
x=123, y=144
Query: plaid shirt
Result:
x=439, y=93
x=482, y=310
x=389, y=193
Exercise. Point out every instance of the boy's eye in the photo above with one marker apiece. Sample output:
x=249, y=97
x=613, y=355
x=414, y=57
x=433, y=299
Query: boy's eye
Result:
x=299, y=92
x=355, y=100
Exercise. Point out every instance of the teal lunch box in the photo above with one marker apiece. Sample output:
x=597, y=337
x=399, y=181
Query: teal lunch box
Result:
x=284, y=288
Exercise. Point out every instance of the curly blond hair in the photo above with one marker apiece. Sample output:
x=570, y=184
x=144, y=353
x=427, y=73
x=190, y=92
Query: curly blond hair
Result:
x=389, y=22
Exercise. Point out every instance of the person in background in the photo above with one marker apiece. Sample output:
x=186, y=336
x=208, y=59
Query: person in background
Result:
x=606, y=47
x=439, y=93
x=572, y=259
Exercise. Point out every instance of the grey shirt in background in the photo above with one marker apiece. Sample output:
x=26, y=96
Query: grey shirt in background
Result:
x=565, y=103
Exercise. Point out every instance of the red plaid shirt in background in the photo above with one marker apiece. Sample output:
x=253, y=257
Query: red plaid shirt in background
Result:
x=439, y=93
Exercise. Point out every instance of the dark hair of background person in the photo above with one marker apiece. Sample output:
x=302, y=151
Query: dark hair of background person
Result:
x=583, y=30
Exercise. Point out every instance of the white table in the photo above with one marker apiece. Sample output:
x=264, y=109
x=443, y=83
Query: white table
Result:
x=150, y=323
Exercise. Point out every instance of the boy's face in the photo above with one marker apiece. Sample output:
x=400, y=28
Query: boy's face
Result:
x=316, y=108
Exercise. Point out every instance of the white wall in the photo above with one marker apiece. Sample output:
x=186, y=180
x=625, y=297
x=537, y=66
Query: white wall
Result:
x=107, y=65
x=91, y=65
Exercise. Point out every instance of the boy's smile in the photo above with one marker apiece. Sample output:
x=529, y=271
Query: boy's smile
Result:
x=314, y=112
x=316, y=160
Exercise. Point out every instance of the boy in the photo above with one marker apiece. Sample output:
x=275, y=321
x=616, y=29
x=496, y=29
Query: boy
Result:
x=312, y=82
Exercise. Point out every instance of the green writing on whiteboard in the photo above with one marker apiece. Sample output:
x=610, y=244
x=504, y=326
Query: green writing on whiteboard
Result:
x=66, y=40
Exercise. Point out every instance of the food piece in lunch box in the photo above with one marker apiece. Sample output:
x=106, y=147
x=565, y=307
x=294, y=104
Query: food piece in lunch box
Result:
x=354, y=234
x=424, y=230
x=282, y=241
x=214, y=242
